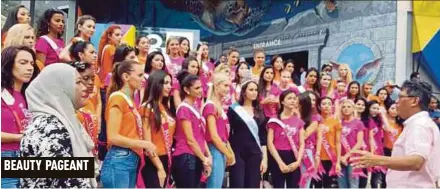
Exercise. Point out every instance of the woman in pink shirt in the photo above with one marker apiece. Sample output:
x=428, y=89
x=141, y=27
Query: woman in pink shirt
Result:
x=50, y=29
x=155, y=61
x=18, y=69
x=373, y=122
x=242, y=71
x=190, y=66
x=286, y=135
x=191, y=156
x=286, y=82
x=233, y=57
x=352, y=137
x=174, y=65
x=313, y=139
x=218, y=130
x=268, y=92
x=206, y=65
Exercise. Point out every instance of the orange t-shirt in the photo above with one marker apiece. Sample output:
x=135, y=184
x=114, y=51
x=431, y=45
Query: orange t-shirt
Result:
x=157, y=136
x=142, y=60
x=389, y=137
x=128, y=126
x=106, y=64
x=373, y=97
x=330, y=126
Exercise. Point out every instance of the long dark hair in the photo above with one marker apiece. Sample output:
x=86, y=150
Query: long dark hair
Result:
x=273, y=60
x=119, y=68
x=237, y=78
x=43, y=24
x=358, y=94
x=316, y=85
x=11, y=19
x=258, y=113
x=187, y=61
x=121, y=52
x=262, y=83
x=78, y=47
x=363, y=100
x=399, y=121
x=305, y=104
x=149, y=62
x=152, y=93
x=387, y=99
x=181, y=39
x=8, y=60
x=365, y=116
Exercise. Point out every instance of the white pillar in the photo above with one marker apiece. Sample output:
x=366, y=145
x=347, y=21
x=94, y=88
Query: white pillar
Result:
x=403, y=41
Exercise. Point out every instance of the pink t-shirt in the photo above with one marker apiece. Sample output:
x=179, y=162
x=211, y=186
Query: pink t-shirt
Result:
x=221, y=122
x=42, y=46
x=421, y=137
x=280, y=140
x=205, y=75
x=350, y=130
x=270, y=110
x=9, y=124
x=175, y=66
x=377, y=135
x=290, y=87
x=198, y=131
x=311, y=140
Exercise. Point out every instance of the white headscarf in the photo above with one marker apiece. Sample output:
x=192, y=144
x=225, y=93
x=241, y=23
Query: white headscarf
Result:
x=53, y=92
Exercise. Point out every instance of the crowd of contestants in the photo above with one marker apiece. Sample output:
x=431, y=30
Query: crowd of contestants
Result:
x=178, y=118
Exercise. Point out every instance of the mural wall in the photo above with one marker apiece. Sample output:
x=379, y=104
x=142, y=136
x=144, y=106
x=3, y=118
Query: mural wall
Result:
x=359, y=33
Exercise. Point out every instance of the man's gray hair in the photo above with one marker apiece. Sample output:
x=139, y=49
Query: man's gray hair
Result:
x=419, y=89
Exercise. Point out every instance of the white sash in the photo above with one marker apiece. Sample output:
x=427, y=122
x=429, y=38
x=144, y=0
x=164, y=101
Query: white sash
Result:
x=52, y=43
x=250, y=121
x=7, y=97
x=194, y=111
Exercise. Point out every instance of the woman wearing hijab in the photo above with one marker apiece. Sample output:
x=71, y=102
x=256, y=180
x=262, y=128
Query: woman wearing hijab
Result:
x=54, y=130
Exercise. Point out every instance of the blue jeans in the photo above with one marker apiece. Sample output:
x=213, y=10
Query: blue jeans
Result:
x=119, y=169
x=347, y=181
x=218, y=168
x=186, y=171
x=10, y=182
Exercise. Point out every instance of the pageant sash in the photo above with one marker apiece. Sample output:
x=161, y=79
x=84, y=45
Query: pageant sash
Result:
x=195, y=112
x=356, y=173
x=310, y=169
x=250, y=121
x=9, y=100
x=52, y=44
x=168, y=143
x=326, y=146
x=89, y=124
x=378, y=146
x=139, y=181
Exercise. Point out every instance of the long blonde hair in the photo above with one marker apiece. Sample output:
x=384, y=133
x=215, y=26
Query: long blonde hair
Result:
x=168, y=43
x=217, y=79
x=349, y=77
x=15, y=36
x=221, y=68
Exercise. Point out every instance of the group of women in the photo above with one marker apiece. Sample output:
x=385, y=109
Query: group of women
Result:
x=157, y=119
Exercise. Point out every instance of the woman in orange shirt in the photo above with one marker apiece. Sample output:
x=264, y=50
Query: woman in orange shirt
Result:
x=142, y=48
x=331, y=145
x=392, y=126
x=160, y=127
x=125, y=132
x=110, y=39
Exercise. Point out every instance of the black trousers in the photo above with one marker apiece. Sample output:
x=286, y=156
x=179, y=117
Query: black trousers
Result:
x=279, y=178
x=149, y=172
x=102, y=137
x=378, y=180
x=187, y=170
x=326, y=181
x=362, y=180
x=245, y=173
x=387, y=151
